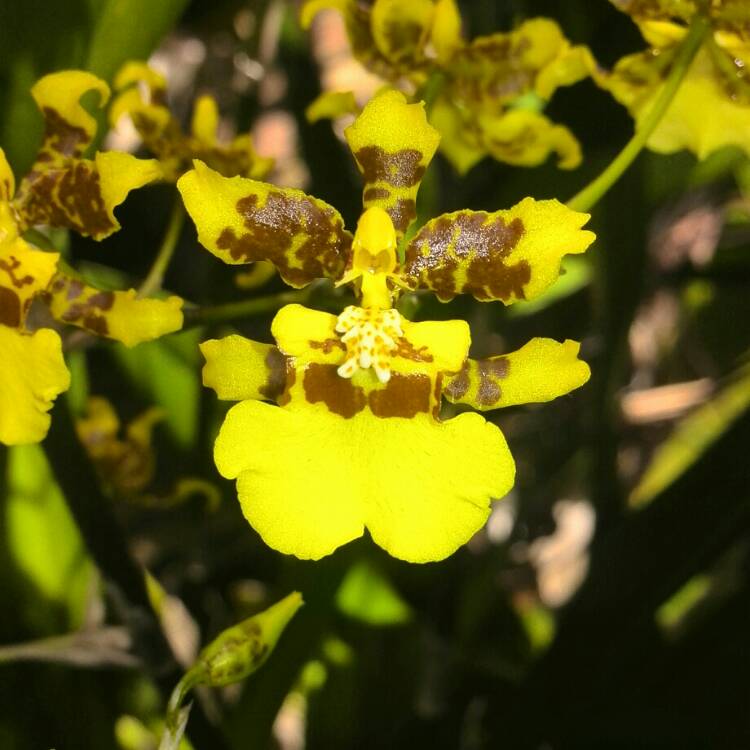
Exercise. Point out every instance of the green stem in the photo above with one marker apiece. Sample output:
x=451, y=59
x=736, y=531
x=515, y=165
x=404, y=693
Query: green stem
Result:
x=244, y=308
x=431, y=90
x=152, y=283
x=689, y=47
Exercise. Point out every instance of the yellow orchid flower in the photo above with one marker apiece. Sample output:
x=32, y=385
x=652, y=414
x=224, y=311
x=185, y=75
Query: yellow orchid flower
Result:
x=492, y=87
x=339, y=424
x=125, y=457
x=715, y=83
x=63, y=189
x=143, y=97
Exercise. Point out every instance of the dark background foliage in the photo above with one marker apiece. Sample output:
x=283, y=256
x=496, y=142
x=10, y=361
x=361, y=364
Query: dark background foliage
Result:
x=650, y=650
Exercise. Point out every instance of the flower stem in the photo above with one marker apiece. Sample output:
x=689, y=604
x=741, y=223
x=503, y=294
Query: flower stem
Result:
x=244, y=308
x=689, y=47
x=152, y=283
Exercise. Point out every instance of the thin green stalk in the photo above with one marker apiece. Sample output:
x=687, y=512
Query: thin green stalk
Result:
x=431, y=89
x=689, y=47
x=244, y=308
x=153, y=281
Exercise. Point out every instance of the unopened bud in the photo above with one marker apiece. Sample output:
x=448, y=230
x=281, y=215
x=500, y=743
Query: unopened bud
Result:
x=243, y=648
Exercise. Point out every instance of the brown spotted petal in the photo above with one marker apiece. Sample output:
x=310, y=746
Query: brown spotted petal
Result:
x=81, y=194
x=540, y=371
x=118, y=315
x=68, y=127
x=241, y=221
x=24, y=273
x=507, y=255
x=393, y=144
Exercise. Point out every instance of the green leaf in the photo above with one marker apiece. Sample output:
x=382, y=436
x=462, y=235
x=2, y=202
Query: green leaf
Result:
x=43, y=541
x=367, y=595
x=129, y=29
x=692, y=437
x=166, y=372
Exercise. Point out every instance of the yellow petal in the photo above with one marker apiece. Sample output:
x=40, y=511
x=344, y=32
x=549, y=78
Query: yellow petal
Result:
x=138, y=71
x=310, y=482
x=24, y=273
x=393, y=144
x=205, y=122
x=239, y=369
x=526, y=139
x=506, y=255
x=32, y=376
x=308, y=335
x=540, y=371
x=68, y=127
x=116, y=315
x=330, y=105
x=241, y=220
x=637, y=82
x=400, y=29
x=7, y=180
x=82, y=194
x=445, y=31
x=459, y=141
x=572, y=65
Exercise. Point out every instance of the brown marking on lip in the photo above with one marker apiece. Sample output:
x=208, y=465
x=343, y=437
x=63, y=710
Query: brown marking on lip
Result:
x=10, y=267
x=437, y=394
x=291, y=377
x=340, y=395
x=403, y=396
x=10, y=308
x=406, y=350
x=328, y=345
x=473, y=242
x=276, y=366
x=272, y=228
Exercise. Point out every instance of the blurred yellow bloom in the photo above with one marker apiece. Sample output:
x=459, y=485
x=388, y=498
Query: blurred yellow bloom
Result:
x=492, y=87
x=712, y=106
x=339, y=424
x=125, y=456
x=63, y=189
x=143, y=97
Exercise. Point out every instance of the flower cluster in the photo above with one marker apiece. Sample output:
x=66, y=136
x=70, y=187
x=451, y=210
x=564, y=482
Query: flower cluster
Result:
x=143, y=97
x=492, y=88
x=339, y=424
x=712, y=107
x=63, y=189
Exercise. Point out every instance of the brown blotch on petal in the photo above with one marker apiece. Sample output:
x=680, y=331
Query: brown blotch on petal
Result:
x=271, y=230
x=402, y=213
x=475, y=243
x=437, y=395
x=340, y=395
x=400, y=169
x=459, y=384
x=10, y=308
x=276, y=365
x=376, y=194
x=489, y=372
x=62, y=137
x=66, y=197
x=403, y=396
